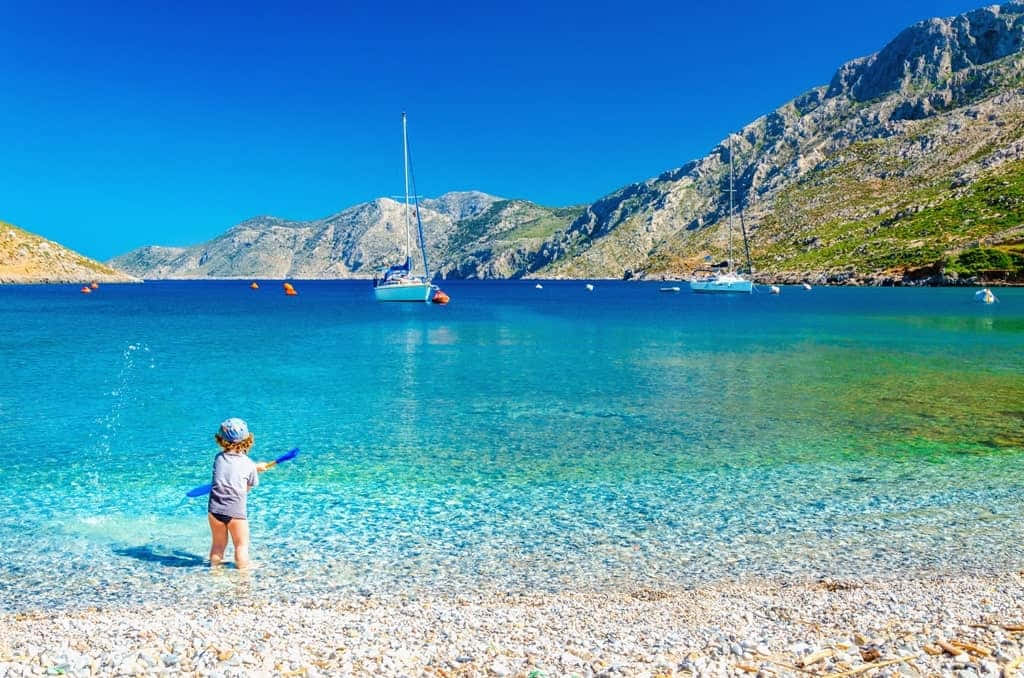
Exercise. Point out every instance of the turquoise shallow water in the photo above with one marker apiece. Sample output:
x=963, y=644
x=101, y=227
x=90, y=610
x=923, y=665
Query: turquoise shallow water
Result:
x=516, y=439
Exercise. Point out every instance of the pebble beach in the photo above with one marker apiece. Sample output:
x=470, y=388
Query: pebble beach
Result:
x=956, y=626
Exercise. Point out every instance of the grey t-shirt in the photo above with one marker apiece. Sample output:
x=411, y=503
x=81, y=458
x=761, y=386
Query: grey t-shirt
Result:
x=233, y=475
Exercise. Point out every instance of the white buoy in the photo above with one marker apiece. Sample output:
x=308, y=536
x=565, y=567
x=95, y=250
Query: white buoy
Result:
x=590, y=288
x=807, y=286
x=539, y=286
x=774, y=289
x=985, y=296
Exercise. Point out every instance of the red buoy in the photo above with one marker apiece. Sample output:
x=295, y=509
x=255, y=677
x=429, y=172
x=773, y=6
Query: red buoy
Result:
x=86, y=290
x=440, y=297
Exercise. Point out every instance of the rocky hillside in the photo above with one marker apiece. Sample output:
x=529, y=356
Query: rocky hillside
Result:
x=469, y=234
x=909, y=164
x=28, y=258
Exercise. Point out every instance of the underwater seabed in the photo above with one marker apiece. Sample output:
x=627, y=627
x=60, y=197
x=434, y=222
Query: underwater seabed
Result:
x=512, y=440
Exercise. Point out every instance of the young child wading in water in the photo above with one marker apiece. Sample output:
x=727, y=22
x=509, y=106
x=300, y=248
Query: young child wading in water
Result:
x=234, y=474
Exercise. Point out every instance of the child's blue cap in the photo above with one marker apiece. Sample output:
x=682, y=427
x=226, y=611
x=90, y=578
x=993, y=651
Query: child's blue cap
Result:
x=233, y=430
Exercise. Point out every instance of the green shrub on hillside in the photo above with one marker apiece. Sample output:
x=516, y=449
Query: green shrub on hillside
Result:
x=974, y=261
x=921, y=226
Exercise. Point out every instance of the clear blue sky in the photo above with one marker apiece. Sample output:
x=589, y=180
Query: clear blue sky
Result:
x=123, y=125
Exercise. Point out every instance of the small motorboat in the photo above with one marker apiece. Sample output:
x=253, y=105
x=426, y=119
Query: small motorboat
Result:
x=670, y=290
x=539, y=286
x=590, y=288
x=985, y=296
x=806, y=286
x=774, y=289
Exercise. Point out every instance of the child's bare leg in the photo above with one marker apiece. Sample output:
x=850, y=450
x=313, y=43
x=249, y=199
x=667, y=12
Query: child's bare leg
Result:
x=240, y=538
x=219, y=539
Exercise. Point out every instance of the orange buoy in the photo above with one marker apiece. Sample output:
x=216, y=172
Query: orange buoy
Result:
x=86, y=290
x=95, y=285
x=254, y=285
x=289, y=290
x=440, y=297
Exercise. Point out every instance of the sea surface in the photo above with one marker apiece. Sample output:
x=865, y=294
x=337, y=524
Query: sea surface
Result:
x=517, y=439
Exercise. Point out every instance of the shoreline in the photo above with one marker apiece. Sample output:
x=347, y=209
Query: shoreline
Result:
x=943, y=624
x=12, y=281
x=780, y=279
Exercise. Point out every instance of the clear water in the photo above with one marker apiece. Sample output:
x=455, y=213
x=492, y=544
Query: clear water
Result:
x=516, y=439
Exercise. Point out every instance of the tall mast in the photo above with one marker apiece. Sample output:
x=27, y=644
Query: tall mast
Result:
x=730, y=200
x=416, y=206
x=405, y=157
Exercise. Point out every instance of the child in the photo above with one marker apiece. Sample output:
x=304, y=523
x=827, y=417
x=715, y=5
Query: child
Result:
x=234, y=474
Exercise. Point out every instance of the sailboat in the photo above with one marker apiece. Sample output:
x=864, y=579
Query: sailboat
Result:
x=728, y=281
x=398, y=283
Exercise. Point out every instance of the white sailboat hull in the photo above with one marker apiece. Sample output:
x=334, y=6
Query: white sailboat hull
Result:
x=722, y=286
x=404, y=291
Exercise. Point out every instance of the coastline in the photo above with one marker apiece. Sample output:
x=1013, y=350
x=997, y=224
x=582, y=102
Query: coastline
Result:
x=846, y=279
x=902, y=626
x=44, y=280
x=816, y=279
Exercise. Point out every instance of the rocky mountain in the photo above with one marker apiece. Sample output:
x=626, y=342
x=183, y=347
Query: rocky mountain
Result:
x=468, y=234
x=908, y=165
x=28, y=258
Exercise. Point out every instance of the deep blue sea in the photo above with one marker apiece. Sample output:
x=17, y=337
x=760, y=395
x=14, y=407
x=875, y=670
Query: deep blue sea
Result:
x=517, y=439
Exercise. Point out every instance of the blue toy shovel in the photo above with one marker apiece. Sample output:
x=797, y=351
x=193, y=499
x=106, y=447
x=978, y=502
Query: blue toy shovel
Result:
x=205, y=489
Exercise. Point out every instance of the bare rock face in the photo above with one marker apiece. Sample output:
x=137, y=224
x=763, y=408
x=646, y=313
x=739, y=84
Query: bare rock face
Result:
x=928, y=53
x=461, y=205
x=29, y=258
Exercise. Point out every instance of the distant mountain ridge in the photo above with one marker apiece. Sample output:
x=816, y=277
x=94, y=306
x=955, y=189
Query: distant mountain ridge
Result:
x=908, y=165
x=468, y=234
x=29, y=258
